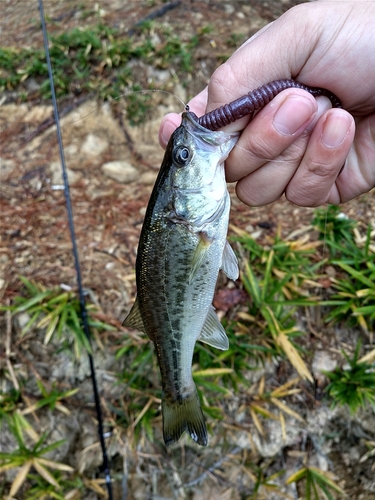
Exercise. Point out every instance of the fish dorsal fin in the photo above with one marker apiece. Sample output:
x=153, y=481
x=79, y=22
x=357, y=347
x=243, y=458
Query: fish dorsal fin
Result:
x=134, y=318
x=229, y=264
x=199, y=255
x=213, y=332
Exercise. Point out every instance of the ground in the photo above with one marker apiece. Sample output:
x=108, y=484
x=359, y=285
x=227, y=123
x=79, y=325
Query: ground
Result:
x=108, y=216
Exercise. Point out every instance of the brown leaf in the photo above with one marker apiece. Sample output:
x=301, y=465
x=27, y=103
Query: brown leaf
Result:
x=325, y=282
x=226, y=298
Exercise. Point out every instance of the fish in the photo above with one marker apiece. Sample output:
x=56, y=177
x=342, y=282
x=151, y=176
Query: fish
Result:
x=182, y=246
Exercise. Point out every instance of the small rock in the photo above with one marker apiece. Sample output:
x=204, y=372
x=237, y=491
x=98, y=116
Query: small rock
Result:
x=120, y=171
x=4, y=258
x=148, y=178
x=159, y=75
x=71, y=150
x=37, y=114
x=142, y=211
x=275, y=441
x=322, y=362
x=56, y=174
x=330, y=271
x=94, y=145
x=6, y=167
x=323, y=463
x=32, y=85
x=22, y=319
x=229, y=9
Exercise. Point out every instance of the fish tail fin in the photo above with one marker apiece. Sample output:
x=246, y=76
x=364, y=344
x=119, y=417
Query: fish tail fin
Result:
x=184, y=415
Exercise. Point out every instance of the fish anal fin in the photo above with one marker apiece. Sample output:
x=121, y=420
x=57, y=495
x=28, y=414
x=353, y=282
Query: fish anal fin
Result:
x=229, y=264
x=184, y=415
x=199, y=254
x=213, y=332
x=134, y=318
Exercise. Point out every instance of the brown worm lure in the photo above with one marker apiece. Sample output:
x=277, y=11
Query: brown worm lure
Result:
x=257, y=99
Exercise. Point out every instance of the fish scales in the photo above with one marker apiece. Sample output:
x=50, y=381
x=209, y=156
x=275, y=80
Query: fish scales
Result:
x=181, y=249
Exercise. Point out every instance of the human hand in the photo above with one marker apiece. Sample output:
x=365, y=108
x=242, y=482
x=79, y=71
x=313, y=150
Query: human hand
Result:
x=298, y=144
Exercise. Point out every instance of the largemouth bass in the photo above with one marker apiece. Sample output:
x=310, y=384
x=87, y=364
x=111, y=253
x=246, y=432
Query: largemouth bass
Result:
x=181, y=249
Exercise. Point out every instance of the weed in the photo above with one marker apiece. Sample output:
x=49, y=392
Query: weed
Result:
x=57, y=312
x=24, y=458
x=355, y=297
x=257, y=405
x=235, y=39
x=96, y=60
x=284, y=271
x=51, y=398
x=17, y=423
x=316, y=483
x=43, y=489
x=278, y=279
x=264, y=485
x=333, y=225
x=138, y=106
x=8, y=403
x=70, y=487
x=354, y=283
x=140, y=378
x=370, y=453
x=354, y=386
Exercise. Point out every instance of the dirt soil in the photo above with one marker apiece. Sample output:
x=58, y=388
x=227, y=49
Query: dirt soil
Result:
x=108, y=216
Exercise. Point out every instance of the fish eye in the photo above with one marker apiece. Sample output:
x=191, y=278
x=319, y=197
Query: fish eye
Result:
x=182, y=155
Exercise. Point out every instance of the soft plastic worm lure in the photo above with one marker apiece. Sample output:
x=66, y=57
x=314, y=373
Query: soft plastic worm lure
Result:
x=257, y=99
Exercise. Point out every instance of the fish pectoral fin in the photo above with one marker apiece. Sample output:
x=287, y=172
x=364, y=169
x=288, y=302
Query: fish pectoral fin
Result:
x=134, y=318
x=229, y=264
x=199, y=254
x=213, y=332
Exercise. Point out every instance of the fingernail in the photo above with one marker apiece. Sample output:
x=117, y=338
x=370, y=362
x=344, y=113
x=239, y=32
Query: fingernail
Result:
x=292, y=114
x=335, y=129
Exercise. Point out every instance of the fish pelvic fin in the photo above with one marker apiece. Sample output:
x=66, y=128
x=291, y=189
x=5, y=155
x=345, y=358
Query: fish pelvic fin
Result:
x=213, y=332
x=134, y=318
x=184, y=415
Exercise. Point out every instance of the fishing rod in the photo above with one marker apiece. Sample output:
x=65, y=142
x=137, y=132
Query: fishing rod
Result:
x=81, y=293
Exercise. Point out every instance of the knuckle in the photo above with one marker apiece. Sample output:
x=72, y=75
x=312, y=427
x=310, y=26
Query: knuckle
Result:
x=220, y=83
x=271, y=150
x=223, y=82
x=301, y=200
x=320, y=168
x=262, y=148
x=305, y=195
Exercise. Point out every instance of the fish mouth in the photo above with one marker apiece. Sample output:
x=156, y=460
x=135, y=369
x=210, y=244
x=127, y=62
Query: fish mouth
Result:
x=218, y=138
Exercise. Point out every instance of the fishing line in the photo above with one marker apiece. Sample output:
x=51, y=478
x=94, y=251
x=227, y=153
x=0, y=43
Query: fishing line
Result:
x=83, y=310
